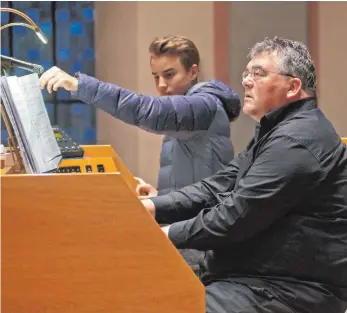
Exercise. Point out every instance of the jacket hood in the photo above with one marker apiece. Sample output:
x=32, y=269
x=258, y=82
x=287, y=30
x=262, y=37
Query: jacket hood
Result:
x=230, y=100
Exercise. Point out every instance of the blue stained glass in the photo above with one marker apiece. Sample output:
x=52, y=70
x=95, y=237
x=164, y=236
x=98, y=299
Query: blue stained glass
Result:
x=68, y=131
x=47, y=64
x=46, y=28
x=89, y=135
x=5, y=34
x=63, y=55
x=62, y=16
x=77, y=67
x=20, y=30
x=45, y=93
x=62, y=42
x=4, y=137
x=34, y=14
x=50, y=111
x=74, y=51
x=63, y=94
x=4, y=18
x=33, y=55
x=76, y=28
x=78, y=109
x=63, y=118
x=5, y=52
x=88, y=14
x=89, y=54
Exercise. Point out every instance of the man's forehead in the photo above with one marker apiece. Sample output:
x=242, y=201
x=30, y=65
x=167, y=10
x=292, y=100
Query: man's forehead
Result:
x=165, y=60
x=263, y=59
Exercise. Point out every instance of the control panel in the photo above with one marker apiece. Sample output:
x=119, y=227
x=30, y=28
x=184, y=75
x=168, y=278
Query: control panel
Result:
x=68, y=148
x=99, y=168
x=87, y=165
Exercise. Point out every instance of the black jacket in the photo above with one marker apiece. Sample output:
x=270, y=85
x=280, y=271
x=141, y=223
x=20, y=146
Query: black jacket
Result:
x=277, y=212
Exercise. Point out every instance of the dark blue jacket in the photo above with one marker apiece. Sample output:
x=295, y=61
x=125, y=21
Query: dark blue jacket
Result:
x=196, y=125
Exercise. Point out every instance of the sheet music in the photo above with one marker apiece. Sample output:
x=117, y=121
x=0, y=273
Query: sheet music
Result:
x=38, y=136
x=7, y=100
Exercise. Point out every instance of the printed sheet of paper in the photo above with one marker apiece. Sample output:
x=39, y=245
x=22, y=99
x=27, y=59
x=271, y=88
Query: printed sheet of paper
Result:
x=6, y=99
x=33, y=123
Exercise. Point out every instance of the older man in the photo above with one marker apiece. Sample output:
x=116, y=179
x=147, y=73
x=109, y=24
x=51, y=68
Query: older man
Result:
x=273, y=223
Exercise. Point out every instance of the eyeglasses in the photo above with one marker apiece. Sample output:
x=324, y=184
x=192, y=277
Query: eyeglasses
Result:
x=259, y=73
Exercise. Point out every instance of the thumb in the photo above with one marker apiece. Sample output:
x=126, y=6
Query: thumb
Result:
x=142, y=190
x=71, y=83
x=144, y=197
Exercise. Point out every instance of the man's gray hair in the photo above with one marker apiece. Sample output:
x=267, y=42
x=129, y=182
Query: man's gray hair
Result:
x=294, y=59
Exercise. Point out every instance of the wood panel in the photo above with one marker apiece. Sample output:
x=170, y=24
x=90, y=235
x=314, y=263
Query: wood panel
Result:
x=84, y=243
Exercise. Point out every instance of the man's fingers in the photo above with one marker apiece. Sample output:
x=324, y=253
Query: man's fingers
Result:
x=51, y=82
x=142, y=189
x=138, y=190
x=139, y=180
x=46, y=76
x=152, y=192
x=44, y=79
x=59, y=84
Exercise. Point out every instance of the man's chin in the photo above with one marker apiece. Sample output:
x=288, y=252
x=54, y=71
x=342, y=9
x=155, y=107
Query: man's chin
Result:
x=251, y=111
x=248, y=108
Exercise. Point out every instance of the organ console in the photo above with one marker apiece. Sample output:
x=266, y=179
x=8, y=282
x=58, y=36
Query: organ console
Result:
x=79, y=240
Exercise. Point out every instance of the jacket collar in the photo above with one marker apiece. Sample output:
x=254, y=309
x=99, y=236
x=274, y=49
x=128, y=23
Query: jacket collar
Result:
x=271, y=119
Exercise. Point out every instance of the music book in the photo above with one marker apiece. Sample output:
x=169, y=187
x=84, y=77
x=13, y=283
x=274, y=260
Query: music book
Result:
x=26, y=110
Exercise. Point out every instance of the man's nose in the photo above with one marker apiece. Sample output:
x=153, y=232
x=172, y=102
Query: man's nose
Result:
x=162, y=83
x=247, y=82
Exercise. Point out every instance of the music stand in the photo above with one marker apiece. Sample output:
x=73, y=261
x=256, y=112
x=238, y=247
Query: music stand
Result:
x=18, y=165
x=7, y=68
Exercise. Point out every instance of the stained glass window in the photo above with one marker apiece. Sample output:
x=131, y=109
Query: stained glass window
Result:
x=69, y=28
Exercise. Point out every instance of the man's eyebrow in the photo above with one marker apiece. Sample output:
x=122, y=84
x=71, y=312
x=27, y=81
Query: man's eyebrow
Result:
x=255, y=67
x=168, y=70
x=165, y=71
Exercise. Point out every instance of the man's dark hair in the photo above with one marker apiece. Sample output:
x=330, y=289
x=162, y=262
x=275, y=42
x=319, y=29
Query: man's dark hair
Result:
x=294, y=60
x=176, y=46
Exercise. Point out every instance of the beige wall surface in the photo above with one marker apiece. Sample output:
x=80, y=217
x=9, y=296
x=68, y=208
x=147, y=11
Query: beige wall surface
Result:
x=116, y=62
x=332, y=45
x=124, y=30
x=123, y=33
x=191, y=19
x=251, y=22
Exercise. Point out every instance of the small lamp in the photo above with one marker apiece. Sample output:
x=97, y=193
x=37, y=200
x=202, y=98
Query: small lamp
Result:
x=31, y=24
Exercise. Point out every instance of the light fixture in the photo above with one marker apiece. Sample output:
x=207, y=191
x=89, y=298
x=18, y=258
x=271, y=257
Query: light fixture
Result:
x=31, y=24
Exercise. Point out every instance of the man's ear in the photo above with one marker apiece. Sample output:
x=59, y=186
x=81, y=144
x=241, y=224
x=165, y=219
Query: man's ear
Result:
x=294, y=87
x=195, y=71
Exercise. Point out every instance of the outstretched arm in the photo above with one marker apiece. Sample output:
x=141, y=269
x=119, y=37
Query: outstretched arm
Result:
x=170, y=115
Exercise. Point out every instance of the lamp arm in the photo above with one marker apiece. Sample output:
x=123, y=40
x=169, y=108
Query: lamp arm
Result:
x=26, y=17
x=17, y=24
x=32, y=25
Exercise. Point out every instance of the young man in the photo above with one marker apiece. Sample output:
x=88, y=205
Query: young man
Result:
x=195, y=117
x=274, y=221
